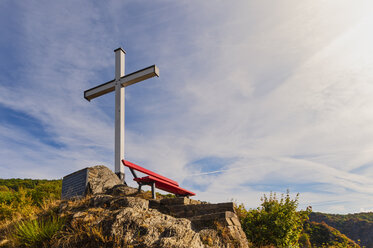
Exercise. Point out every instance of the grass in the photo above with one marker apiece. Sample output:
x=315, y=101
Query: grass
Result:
x=36, y=232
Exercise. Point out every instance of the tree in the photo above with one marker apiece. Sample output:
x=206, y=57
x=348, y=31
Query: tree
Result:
x=276, y=222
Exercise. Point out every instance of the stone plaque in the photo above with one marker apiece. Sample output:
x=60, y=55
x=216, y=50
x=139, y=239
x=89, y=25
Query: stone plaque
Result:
x=74, y=184
x=91, y=180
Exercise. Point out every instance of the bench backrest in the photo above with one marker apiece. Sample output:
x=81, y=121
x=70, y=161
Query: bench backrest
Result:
x=148, y=172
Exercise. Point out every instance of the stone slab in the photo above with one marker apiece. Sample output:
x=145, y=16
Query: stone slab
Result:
x=74, y=184
x=186, y=211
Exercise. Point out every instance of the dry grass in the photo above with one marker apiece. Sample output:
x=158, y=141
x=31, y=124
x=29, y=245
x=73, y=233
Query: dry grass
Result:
x=79, y=202
x=82, y=235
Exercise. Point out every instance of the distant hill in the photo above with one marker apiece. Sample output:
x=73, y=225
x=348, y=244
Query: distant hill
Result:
x=322, y=235
x=358, y=227
x=16, y=183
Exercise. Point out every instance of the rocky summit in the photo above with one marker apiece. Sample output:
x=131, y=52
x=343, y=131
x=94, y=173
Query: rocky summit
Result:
x=121, y=216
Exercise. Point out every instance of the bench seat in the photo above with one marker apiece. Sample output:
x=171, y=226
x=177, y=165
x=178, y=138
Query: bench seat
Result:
x=164, y=185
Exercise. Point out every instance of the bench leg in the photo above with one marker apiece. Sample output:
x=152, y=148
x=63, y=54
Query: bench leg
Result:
x=153, y=190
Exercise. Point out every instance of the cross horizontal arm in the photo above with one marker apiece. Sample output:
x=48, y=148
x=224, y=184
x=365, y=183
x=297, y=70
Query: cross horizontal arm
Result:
x=125, y=81
x=140, y=75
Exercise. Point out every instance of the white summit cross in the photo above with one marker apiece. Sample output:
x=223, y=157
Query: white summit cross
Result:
x=118, y=84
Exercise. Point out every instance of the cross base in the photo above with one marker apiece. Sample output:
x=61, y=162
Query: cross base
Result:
x=121, y=177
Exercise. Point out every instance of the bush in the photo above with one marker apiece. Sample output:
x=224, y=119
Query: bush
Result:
x=45, y=192
x=277, y=222
x=304, y=241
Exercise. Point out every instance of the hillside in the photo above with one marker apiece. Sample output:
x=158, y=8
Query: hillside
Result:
x=358, y=227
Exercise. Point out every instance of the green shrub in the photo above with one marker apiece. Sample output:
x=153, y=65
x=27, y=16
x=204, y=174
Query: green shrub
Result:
x=21, y=205
x=38, y=232
x=304, y=241
x=277, y=222
x=45, y=191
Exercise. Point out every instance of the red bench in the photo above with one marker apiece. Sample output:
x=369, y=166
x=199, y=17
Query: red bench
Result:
x=156, y=180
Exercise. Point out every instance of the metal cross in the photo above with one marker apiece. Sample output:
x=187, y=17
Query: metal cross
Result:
x=118, y=84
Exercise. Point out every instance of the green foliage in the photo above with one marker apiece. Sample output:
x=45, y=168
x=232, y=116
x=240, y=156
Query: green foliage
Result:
x=277, y=222
x=16, y=183
x=38, y=232
x=304, y=240
x=14, y=205
x=50, y=190
x=21, y=198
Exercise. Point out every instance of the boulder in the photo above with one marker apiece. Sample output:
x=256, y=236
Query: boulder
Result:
x=100, y=178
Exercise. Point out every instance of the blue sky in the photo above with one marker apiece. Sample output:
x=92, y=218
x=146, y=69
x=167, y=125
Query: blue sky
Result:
x=253, y=96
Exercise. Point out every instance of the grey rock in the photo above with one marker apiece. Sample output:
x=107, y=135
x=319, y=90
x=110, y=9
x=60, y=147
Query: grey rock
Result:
x=121, y=190
x=155, y=229
x=100, y=178
x=100, y=201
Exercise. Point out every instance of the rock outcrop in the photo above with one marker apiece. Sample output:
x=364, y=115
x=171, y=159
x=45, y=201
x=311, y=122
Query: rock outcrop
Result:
x=107, y=213
x=123, y=217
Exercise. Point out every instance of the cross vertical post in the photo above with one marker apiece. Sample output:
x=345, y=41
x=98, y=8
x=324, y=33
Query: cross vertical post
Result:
x=119, y=112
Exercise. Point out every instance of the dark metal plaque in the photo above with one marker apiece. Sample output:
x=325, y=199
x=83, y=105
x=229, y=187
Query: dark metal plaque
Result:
x=74, y=184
